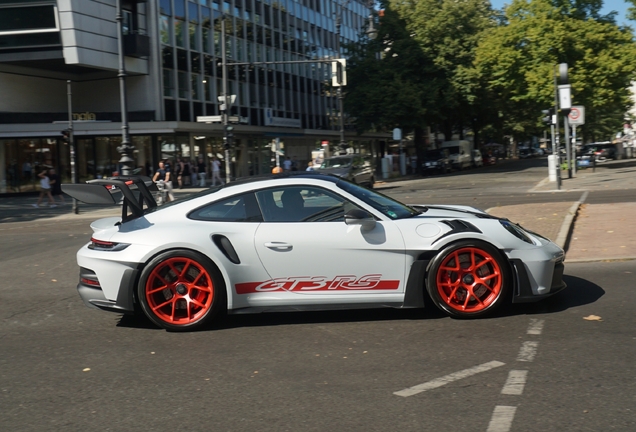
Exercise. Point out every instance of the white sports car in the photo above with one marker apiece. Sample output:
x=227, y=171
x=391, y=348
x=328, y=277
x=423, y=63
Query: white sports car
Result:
x=302, y=241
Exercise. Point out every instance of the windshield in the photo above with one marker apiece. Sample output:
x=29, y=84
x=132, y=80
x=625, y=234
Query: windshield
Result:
x=453, y=150
x=387, y=206
x=337, y=162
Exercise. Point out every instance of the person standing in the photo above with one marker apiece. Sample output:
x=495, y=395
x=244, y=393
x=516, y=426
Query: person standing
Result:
x=201, y=172
x=193, y=173
x=216, y=171
x=287, y=164
x=45, y=189
x=26, y=171
x=163, y=174
x=178, y=172
x=56, y=186
x=185, y=173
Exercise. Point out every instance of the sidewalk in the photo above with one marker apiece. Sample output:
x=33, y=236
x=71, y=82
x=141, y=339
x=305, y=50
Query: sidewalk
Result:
x=588, y=232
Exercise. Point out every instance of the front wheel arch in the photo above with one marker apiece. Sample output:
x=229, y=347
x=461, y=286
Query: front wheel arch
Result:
x=469, y=292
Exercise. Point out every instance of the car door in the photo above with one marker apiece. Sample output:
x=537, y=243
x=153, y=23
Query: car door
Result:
x=312, y=256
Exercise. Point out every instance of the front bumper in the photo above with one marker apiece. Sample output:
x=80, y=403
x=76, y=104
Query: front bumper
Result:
x=522, y=286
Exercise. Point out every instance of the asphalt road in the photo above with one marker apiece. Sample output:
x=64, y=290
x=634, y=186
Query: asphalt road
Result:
x=562, y=364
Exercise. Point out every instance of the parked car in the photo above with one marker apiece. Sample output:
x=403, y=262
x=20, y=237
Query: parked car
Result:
x=436, y=161
x=355, y=168
x=301, y=241
x=490, y=159
x=478, y=160
x=602, y=151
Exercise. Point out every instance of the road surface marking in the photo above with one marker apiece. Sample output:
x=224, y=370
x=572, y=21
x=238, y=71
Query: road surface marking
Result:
x=515, y=383
x=528, y=351
x=535, y=327
x=501, y=419
x=439, y=382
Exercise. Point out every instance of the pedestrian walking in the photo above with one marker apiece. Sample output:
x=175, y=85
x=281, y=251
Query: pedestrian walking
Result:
x=193, y=173
x=56, y=186
x=216, y=171
x=45, y=189
x=201, y=172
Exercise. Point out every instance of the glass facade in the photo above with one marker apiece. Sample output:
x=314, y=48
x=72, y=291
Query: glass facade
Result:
x=255, y=30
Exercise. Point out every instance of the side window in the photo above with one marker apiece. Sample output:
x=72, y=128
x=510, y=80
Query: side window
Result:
x=240, y=208
x=302, y=204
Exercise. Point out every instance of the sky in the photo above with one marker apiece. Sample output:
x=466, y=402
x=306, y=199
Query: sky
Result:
x=619, y=6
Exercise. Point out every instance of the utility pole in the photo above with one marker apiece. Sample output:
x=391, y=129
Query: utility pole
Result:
x=125, y=148
x=71, y=139
x=225, y=106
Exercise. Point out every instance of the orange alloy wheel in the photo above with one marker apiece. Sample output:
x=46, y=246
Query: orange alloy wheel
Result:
x=179, y=291
x=469, y=279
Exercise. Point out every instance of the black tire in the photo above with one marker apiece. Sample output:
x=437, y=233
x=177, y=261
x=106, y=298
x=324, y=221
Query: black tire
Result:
x=465, y=291
x=181, y=290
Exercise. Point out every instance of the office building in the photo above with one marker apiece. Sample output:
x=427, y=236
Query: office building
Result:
x=59, y=63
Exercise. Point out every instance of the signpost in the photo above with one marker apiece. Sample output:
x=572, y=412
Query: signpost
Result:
x=576, y=117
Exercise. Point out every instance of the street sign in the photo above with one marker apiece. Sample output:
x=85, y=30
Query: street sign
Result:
x=209, y=119
x=397, y=134
x=564, y=97
x=324, y=143
x=577, y=115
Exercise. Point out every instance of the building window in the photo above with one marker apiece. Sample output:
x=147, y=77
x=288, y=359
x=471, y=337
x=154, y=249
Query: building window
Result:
x=179, y=30
x=164, y=30
x=194, y=82
x=183, y=85
x=168, y=83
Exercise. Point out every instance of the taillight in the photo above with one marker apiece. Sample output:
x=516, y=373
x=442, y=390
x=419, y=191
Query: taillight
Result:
x=89, y=278
x=90, y=282
x=102, y=245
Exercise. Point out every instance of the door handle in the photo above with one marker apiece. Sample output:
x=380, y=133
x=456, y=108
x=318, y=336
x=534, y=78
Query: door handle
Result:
x=279, y=246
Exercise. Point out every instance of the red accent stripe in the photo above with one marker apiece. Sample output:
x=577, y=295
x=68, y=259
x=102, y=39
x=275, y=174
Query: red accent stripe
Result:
x=250, y=287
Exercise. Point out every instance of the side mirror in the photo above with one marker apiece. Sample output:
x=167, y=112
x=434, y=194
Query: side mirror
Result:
x=359, y=217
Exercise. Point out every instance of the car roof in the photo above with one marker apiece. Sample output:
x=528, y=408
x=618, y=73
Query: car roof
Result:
x=284, y=175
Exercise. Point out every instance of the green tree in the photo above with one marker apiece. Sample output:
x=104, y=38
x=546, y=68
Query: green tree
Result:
x=391, y=83
x=448, y=33
x=519, y=58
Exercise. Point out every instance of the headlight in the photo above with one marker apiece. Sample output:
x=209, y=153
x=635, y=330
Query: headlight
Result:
x=516, y=231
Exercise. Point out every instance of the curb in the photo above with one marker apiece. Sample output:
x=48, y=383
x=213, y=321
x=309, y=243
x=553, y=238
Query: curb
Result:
x=567, y=227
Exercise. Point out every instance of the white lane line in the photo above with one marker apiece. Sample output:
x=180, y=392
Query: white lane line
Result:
x=438, y=382
x=528, y=351
x=535, y=327
x=501, y=419
x=515, y=382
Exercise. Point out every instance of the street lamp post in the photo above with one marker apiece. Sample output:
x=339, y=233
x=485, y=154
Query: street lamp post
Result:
x=125, y=149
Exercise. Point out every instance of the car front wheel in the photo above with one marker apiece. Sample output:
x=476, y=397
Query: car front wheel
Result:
x=468, y=279
x=180, y=290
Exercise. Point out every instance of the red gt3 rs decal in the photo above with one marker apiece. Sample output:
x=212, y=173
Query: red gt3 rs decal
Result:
x=319, y=283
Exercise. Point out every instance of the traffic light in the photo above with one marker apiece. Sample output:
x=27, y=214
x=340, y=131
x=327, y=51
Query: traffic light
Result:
x=547, y=116
x=339, y=72
x=66, y=136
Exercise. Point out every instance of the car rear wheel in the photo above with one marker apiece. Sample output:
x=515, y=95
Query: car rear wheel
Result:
x=468, y=279
x=181, y=290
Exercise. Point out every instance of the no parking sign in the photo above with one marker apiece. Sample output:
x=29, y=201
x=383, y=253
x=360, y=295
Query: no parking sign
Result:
x=577, y=115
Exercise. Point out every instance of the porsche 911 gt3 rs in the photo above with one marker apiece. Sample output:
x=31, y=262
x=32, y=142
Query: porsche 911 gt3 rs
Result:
x=302, y=241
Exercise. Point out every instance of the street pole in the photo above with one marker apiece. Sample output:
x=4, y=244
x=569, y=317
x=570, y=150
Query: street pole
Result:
x=568, y=149
x=226, y=102
x=340, y=96
x=574, y=149
x=126, y=149
x=555, y=148
x=71, y=139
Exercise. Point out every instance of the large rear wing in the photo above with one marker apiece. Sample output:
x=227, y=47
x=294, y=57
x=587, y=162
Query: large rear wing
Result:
x=136, y=192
